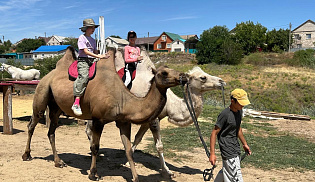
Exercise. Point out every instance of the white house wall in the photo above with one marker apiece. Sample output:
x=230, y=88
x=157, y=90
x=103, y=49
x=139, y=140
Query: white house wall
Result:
x=177, y=45
x=43, y=55
x=307, y=28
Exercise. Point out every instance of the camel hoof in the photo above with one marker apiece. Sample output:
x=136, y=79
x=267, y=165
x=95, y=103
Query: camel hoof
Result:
x=26, y=156
x=168, y=174
x=94, y=178
x=60, y=164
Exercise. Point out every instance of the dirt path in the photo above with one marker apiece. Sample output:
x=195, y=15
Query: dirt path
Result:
x=73, y=147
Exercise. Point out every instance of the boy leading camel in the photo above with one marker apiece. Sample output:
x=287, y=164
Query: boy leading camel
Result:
x=228, y=130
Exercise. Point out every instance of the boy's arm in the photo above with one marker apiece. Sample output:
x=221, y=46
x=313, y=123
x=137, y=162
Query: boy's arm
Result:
x=213, y=136
x=242, y=138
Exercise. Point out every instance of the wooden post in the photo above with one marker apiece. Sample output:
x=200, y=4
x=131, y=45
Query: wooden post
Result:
x=7, y=110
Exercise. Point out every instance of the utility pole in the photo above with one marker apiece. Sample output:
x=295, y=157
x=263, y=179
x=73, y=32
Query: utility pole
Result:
x=290, y=38
x=148, y=42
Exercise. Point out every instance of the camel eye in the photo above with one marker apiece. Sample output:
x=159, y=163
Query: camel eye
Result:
x=164, y=73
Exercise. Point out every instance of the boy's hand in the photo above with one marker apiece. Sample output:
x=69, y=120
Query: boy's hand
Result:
x=212, y=159
x=247, y=149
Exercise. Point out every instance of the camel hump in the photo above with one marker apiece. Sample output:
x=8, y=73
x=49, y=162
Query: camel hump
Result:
x=68, y=58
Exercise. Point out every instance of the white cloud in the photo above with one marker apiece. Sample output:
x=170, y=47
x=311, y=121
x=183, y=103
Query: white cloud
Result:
x=180, y=18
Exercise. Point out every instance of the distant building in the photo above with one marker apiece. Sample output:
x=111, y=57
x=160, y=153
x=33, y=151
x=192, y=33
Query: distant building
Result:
x=146, y=42
x=304, y=36
x=56, y=40
x=49, y=51
x=115, y=42
x=178, y=46
x=164, y=42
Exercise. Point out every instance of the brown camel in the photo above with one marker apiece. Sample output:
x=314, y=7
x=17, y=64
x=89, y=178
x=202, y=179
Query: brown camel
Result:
x=175, y=108
x=106, y=99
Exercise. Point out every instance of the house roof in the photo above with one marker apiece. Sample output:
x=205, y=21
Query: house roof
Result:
x=46, y=39
x=308, y=21
x=174, y=36
x=181, y=40
x=59, y=38
x=53, y=48
x=186, y=37
x=118, y=40
x=146, y=40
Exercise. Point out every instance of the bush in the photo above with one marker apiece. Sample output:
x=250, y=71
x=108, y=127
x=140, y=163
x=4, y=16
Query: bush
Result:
x=304, y=58
x=46, y=65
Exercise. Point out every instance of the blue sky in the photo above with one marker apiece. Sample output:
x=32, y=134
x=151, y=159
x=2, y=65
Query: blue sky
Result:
x=29, y=18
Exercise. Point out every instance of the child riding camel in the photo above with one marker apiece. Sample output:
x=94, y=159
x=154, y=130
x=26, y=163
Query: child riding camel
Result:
x=87, y=55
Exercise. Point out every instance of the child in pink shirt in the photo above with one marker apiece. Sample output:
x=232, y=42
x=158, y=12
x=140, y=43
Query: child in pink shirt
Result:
x=132, y=57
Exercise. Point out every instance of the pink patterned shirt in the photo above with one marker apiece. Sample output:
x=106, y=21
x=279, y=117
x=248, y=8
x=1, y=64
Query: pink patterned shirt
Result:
x=131, y=54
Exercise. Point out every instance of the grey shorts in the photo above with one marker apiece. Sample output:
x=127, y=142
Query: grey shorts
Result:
x=230, y=172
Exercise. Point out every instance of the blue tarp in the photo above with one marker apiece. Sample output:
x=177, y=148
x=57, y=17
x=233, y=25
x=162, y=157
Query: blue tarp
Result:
x=53, y=48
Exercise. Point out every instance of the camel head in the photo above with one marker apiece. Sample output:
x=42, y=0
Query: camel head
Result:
x=166, y=77
x=202, y=81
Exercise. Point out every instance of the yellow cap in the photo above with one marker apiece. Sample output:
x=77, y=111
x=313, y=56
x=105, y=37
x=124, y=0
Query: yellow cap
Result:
x=241, y=96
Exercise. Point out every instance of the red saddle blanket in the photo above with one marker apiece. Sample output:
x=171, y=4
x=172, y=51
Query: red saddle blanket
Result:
x=73, y=70
x=121, y=73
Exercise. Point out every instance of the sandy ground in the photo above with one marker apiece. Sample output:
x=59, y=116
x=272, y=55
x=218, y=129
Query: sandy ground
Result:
x=73, y=147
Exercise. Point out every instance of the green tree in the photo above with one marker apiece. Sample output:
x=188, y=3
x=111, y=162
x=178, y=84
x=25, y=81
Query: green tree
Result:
x=2, y=49
x=46, y=65
x=216, y=45
x=71, y=41
x=250, y=36
x=29, y=44
x=277, y=40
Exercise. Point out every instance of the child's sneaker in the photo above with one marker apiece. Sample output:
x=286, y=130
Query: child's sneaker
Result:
x=76, y=109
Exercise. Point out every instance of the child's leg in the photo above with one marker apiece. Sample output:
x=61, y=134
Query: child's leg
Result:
x=232, y=170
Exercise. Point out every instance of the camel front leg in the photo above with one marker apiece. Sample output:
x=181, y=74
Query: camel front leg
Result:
x=125, y=130
x=143, y=129
x=94, y=131
x=155, y=129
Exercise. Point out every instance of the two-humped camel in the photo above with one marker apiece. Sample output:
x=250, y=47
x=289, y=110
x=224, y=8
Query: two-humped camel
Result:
x=106, y=99
x=175, y=108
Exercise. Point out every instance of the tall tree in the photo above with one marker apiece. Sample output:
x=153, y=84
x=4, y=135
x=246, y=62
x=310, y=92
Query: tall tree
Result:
x=250, y=36
x=71, y=41
x=216, y=45
x=277, y=40
x=29, y=44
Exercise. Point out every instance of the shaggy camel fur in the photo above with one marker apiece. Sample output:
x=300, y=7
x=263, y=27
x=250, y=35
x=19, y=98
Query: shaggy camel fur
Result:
x=106, y=99
x=175, y=108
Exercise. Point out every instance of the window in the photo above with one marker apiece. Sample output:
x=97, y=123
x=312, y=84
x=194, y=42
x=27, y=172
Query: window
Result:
x=297, y=36
x=308, y=36
x=168, y=46
x=299, y=45
x=43, y=55
x=159, y=46
x=164, y=37
x=177, y=42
